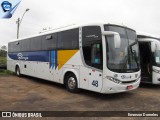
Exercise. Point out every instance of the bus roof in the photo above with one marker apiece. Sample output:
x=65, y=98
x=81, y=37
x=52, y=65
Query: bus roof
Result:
x=63, y=28
x=147, y=35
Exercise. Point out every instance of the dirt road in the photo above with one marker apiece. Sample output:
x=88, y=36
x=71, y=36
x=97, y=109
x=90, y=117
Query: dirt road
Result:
x=32, y=94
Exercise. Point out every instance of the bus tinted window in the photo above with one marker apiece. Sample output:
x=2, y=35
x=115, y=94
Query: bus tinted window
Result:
x=91, y=34
x=93, y=55
x=14, y=46
x=68, y=39
x=25, y=45
x=36, y=43
x=49, y=44
x=92, y=46
x=65, y=40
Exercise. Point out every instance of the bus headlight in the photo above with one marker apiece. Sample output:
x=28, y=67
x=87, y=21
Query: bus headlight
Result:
x=114, y=80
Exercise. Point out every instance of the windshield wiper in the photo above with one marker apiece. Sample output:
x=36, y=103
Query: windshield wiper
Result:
x=127, y=60
x=130, y=53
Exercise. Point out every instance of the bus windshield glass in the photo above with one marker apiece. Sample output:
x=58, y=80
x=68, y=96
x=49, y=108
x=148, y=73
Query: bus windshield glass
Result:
x=125, y=58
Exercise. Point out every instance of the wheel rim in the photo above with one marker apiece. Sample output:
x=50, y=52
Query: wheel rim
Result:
x=71, y=83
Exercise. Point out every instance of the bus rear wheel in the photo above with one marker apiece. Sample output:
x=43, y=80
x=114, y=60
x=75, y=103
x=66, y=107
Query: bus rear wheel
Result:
x=71, y=83
x=18, y=72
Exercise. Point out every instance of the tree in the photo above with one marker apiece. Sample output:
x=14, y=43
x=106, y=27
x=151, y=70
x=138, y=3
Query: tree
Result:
x=3, y=51
x=4, y=47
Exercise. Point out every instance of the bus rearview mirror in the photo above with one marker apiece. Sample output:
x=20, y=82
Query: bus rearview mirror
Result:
x=116, y=36
x=117, y=41
x=153, y=46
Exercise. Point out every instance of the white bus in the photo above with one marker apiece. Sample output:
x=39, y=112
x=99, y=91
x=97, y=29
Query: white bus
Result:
x=98, y=57
x=149, y=46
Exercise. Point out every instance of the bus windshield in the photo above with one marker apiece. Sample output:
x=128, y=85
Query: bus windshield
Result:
x=157, y=58
x=125, y=58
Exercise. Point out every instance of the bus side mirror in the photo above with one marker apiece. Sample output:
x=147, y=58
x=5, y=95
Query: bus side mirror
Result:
x=153, y=46
x=116, y=36
x=117, y=41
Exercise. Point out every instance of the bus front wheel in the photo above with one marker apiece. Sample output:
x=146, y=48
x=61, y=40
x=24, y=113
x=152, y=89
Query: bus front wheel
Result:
x=71, y=83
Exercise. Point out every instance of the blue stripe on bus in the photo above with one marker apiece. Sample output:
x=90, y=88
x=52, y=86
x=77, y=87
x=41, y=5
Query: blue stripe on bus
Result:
x=54, y=61
x=40, y=56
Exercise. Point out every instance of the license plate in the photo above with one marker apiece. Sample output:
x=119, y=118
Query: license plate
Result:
x=129, y=87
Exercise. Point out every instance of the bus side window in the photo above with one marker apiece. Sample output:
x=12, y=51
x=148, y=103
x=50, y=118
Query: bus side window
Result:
x=87, y=54
x=93, y=55
x=97, y=55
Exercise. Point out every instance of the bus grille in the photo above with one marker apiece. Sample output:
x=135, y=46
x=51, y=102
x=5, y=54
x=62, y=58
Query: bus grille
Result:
x=127, y=82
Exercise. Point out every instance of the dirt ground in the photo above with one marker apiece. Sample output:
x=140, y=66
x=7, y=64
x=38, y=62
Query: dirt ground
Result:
x=33, y=94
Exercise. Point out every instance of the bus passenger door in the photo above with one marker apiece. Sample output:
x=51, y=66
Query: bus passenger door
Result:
x=93, y=57
x=95, y=75
x=146, y=61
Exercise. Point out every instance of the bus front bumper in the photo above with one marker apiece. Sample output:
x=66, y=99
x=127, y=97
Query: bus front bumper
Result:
x=110, y=87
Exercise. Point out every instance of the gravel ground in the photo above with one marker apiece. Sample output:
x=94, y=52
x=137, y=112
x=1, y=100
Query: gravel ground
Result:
x=32, y=94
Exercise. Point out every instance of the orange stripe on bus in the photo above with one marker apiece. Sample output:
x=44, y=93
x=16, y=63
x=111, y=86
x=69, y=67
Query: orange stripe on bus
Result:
x=64, y=56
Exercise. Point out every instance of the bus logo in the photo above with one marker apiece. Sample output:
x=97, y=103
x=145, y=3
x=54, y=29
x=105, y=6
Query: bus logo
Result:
x=21, y=57
x=126, y=77
x=6, y=114
x=116, y=75
x=6, y=6
x=92, y=36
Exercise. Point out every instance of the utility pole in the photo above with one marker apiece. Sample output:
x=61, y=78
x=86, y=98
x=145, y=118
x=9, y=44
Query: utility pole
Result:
x=18, y=24
x=19, y=21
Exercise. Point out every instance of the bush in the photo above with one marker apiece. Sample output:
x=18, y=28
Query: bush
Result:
x=3, y=61
x=5, y=72
x=3, y=53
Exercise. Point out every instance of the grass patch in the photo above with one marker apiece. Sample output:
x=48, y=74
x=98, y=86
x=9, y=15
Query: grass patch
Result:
x=6, y=72
x=3, y=61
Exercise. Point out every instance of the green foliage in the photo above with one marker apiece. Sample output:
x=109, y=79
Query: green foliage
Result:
x=3, y=53
x=3, y=58
x=3, y=61
x=5, y=72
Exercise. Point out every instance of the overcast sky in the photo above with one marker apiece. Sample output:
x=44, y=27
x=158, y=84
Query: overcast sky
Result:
x=141, y=15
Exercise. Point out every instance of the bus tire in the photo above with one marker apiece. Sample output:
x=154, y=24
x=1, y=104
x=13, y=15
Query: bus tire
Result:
x=18, y=72
x=71, y=83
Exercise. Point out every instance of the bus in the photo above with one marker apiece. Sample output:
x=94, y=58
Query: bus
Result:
x=149, y=46
x=103, y=58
